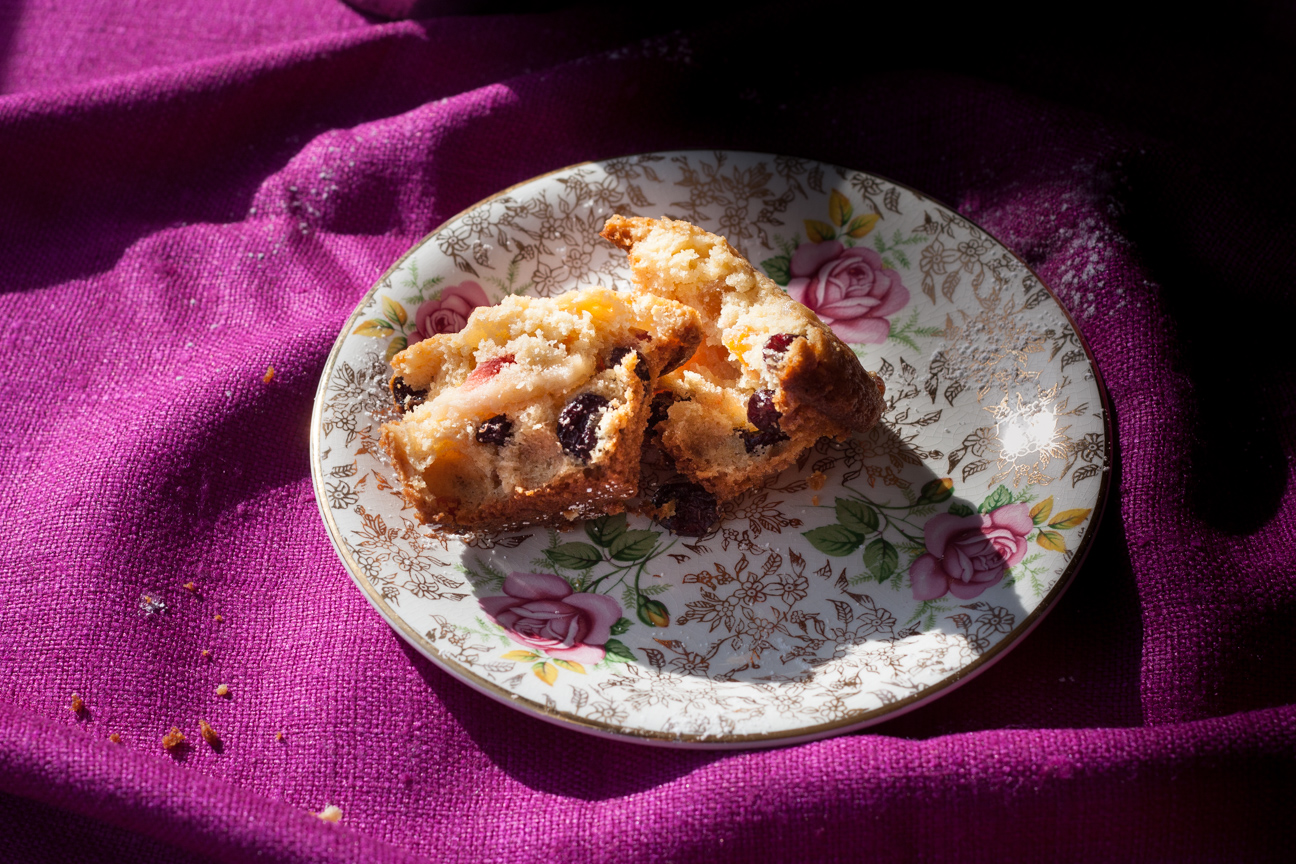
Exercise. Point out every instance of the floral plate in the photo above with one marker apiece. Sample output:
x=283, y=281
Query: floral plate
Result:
x=875, y=575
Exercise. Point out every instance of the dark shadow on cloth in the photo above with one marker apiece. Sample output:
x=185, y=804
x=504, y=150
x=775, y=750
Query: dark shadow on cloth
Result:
x=523, y=745
x=1226, y=273
x=395, y=10
x=10, y=15
x=35, y=832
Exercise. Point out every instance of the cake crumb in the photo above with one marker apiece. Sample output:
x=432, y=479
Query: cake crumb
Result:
x=269, y=376
x=78, y=705
x=218, y=618
x=209, y=734
x=222, y=689
x=189, y=586
x=114, y=738
x=206, y=654
x=173, y=739
x=331, y=813
x=814, y=500
x=817, y=480
x=279, y=736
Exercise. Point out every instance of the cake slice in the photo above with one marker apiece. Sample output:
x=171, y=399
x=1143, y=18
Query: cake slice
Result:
x=536, y=410
x=769, y=378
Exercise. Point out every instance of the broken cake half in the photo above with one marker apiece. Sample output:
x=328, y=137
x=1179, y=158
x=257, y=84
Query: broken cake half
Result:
x=535, y=410
x=769, y=378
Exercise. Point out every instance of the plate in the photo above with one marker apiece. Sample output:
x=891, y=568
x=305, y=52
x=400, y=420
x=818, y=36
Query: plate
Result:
x=876, y=575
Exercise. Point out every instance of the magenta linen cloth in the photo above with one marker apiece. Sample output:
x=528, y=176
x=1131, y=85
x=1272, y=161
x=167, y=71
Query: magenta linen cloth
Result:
x=192, y=192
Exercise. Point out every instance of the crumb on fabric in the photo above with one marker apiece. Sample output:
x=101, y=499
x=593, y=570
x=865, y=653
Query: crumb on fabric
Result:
x=206, y=654
x=331, y=813
x=814, y=500
x=222, y=689
x=218, y=618
x=151, y=605
x=78, y=705
x=173, y=739
x=114, y=738
x=279, y=736
x=209, y=734
x=269, y=376
x=817, y=480
x=189, y=586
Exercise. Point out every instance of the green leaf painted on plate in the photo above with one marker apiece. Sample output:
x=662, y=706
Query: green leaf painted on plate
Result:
x=998, y=498
x=881, y=558
x=605, y=529
x=617, y=652
x=856, y=516
x=779, y=268
x=834, y=540
x=574, y=556
x=633, y=545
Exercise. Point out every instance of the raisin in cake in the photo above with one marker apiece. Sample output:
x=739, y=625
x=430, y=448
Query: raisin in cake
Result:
x=535, y=411
x=769, y=378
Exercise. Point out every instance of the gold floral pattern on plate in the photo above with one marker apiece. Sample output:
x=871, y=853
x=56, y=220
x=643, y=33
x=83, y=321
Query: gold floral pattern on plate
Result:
x=873, y=576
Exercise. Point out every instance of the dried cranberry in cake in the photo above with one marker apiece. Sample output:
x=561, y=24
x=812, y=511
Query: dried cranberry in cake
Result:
x=496, y=430
x=754, y=442
x=407, y=398
x=761, y=412
x=777, y=345
x=578, y=424
x=641, y=368
x=694, y=510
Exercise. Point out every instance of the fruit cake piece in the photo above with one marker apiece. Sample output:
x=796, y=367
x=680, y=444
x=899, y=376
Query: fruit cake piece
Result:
x=769, y=379
x=535, y=411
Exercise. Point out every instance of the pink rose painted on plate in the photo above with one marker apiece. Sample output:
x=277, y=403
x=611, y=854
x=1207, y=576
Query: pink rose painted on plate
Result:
x=850, y=289
x=449, y=312
x=968, y=554
x=541, y=611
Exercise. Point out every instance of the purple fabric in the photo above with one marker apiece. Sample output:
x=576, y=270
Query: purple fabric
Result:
x=179, y=213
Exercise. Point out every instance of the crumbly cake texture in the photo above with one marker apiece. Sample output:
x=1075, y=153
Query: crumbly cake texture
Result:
x=535, y=411
x=769, y=378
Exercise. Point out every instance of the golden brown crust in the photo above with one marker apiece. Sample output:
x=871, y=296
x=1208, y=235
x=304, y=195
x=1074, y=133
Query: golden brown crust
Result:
x=626, y=231
x=821, y=375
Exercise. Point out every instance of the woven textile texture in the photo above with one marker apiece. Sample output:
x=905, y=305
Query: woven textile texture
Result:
x=193, y=192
